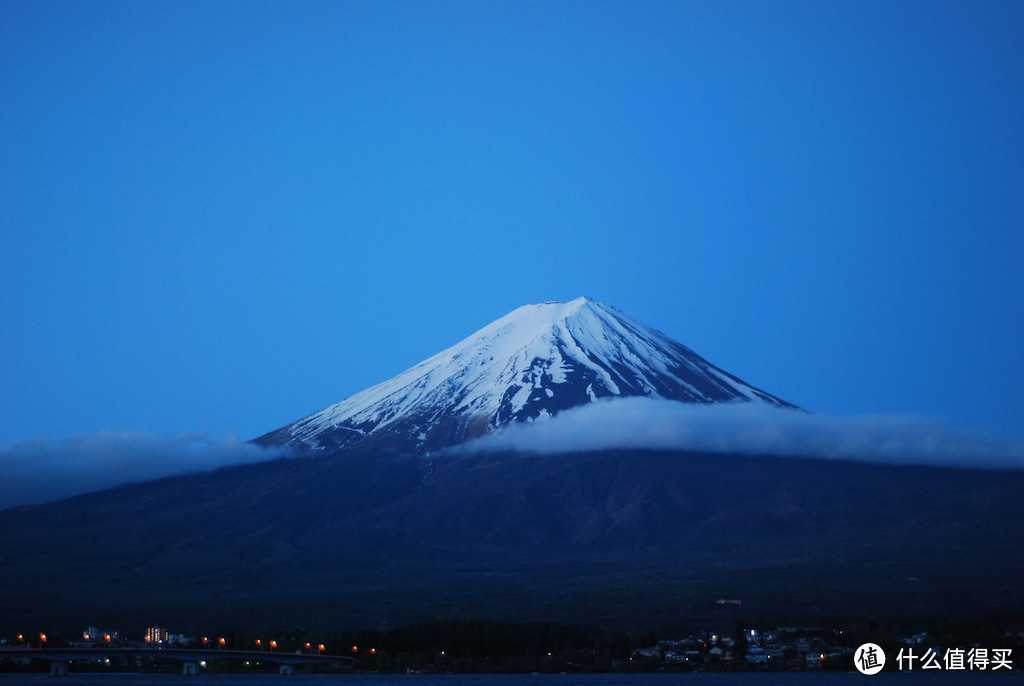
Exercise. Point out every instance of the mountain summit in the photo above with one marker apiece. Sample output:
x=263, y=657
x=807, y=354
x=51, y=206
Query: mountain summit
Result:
x=530, y=364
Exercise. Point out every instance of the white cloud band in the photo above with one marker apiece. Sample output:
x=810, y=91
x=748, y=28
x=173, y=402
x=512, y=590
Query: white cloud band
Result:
x=756, y=429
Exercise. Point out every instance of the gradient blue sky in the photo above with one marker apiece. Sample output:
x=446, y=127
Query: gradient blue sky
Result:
x=220, y=216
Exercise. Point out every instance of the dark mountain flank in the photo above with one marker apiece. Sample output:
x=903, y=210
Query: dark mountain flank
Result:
x=618, y=538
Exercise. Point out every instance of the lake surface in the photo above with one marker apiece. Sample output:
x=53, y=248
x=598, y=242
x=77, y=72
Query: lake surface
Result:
x=689, y=679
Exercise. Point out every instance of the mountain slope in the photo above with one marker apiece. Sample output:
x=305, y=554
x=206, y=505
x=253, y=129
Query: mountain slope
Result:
x=619, y=538
x=531, y=363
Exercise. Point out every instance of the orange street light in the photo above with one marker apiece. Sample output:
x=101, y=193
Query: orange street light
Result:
x=273, y=644
x=355, y=649
x=321, y=648
x=222, y=641
x=309, y=647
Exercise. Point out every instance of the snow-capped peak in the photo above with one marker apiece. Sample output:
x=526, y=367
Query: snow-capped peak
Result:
x=529, y=364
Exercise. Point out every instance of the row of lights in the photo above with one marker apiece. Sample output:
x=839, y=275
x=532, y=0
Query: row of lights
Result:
x=42, y=639
x=221, y=642
x=89, y=637
x=320, y=647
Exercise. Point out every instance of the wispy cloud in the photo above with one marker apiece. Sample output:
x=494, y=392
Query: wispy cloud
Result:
x=42, y=470
x=755, y=429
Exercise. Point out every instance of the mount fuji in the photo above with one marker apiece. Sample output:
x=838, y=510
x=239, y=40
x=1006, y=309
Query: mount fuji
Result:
x=361, y=526
x=526, y=366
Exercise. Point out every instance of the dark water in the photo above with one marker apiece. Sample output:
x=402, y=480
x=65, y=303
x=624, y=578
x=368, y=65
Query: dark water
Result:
x=702, y=679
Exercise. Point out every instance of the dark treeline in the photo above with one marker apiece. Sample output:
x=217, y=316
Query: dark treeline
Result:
x=482, y=645
x=488, y=638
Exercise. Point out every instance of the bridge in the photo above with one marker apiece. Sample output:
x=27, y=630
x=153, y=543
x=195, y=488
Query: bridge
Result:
x=190, y=658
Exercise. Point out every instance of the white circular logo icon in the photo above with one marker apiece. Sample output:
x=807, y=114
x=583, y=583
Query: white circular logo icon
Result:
x=869, y=658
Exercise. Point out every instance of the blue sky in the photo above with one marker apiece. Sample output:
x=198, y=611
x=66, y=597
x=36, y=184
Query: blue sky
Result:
x=224, y=216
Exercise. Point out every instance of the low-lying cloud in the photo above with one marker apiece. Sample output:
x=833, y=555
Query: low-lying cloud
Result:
x=756, y=429
x=42, y=470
